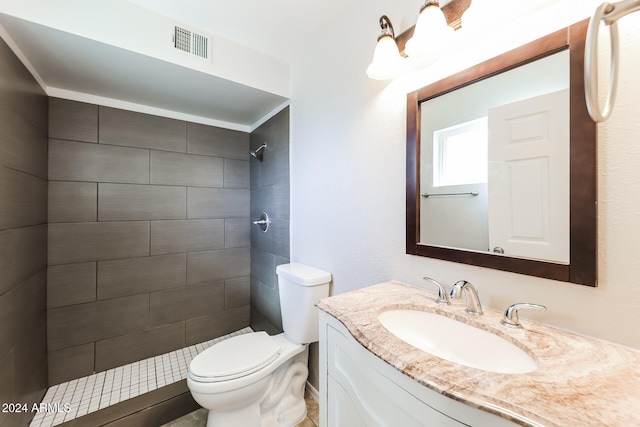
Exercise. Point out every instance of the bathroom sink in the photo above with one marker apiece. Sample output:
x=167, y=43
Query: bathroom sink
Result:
x=456, y=341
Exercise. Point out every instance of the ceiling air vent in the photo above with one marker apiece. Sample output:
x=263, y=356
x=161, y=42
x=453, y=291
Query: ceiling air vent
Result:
x=191, y=42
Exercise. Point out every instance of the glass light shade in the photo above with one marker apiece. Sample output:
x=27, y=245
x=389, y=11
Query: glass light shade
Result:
x=431, y=34
x=387, y=62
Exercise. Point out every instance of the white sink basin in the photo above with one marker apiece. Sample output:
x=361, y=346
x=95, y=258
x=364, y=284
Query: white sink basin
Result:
x=456, y=341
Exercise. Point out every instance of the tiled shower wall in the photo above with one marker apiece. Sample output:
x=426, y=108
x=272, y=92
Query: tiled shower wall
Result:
x=148, y=243
x=23, y=238
x=269, y=193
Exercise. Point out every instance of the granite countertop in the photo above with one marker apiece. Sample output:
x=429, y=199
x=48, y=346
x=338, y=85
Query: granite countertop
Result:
x=579, y=381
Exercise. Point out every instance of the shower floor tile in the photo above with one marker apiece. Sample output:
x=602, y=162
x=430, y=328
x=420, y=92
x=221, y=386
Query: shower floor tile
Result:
x=67, y=401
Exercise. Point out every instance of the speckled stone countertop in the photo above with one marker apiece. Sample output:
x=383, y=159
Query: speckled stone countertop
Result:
x=579, y=381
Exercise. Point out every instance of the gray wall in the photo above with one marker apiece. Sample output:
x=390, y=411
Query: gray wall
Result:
x=23, y=236
x=148, y=236
x=269, y=193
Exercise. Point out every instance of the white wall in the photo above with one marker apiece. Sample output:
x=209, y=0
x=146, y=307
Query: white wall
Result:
x=348, y=179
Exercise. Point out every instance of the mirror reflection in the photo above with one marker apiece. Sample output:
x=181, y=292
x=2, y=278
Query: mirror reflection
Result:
x=494, y=174
x=510, y=203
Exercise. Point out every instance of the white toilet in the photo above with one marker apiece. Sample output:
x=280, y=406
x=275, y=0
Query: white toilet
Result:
x=257, y=380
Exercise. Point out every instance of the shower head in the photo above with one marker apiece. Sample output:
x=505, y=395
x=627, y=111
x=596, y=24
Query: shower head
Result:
x=257, y=153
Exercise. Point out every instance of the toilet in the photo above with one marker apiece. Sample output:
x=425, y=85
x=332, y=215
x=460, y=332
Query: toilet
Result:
x=258, y=380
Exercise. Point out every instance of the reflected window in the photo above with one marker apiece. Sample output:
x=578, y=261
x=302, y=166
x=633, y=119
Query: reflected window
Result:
x=460, y=154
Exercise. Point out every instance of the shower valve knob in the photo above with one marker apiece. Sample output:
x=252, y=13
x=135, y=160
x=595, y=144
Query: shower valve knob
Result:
x=263, y=222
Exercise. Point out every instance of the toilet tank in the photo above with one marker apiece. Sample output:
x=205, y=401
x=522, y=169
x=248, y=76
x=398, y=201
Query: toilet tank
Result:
x=301, y=287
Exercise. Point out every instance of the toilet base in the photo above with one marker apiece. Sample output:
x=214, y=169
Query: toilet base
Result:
x=283, y=404
x=280, y=404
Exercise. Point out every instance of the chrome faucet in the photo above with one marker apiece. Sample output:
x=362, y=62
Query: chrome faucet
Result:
x=443, y=298
x=470, y=294
x=510, y=318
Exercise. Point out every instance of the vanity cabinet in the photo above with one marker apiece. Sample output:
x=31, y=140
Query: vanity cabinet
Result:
x=357, y=389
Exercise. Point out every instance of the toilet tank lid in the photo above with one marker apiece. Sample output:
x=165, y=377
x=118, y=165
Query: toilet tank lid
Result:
x=303, y=274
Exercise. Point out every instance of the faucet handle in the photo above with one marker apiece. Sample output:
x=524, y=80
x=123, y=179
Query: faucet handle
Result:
x=510, y=318
x=443, y=298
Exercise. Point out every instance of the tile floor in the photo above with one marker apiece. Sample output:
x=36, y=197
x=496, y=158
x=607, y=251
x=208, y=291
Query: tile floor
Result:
x=199, y=418
x=81, y=396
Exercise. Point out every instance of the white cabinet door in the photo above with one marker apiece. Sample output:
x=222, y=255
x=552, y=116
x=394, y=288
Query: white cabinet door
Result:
x=529, y=177
x=342, y=410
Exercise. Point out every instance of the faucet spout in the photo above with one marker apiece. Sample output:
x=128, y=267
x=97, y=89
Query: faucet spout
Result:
x=470, y=294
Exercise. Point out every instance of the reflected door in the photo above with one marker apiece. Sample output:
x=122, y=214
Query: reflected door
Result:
x=529, y=178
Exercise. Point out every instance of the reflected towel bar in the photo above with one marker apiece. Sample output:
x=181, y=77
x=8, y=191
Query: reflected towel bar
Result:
x=470, y=193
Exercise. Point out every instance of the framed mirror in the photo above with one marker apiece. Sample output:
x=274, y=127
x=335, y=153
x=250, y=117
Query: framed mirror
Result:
x=501, y=164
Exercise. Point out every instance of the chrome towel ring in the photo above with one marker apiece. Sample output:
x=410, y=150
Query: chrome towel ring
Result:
x=609, y=13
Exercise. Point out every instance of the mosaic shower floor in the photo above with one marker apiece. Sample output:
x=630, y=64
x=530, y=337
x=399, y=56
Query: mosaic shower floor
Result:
x=82, y=396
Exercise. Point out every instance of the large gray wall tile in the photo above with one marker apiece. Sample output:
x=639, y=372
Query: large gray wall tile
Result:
x=23, y=253
x=236, y=292
x=217, y=203
x=82, y=161
x=30, y=251
x=219, y=142
x=186, y=170
x=73, y=201
x=202, y=267
x=236, y=173
x=71, y=284
x=71, y=363
x=73, y=120
x=236, y=232
x=23, y=147
x=7, y=278
x=263, y=200
x=275, y=241
x=31, y=364
x=10, y=318
x=84, y=323
x=266, y=300
x=6, y=378
x=20, y=309
x=129, y=348
x=186, y=236
x=181, y=304
x=263, y=267
x=92, y=241
x=123, y=202
x=132, y=276
x=122, y=127
x=208, y=327
x=24, y=199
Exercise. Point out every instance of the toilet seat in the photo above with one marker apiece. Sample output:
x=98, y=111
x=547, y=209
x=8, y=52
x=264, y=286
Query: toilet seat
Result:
x=234, y=358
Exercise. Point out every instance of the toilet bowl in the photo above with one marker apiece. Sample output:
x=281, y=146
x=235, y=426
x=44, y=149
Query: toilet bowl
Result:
x=257, y=380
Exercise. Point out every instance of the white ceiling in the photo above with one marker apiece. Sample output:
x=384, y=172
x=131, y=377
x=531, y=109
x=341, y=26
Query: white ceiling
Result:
x=69, y=64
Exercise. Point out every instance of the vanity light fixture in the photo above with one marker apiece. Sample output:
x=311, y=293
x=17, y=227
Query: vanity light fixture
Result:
x=431, y=35
x=387, y=62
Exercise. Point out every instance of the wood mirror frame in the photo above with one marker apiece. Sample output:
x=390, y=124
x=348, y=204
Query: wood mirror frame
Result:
x=583, y=216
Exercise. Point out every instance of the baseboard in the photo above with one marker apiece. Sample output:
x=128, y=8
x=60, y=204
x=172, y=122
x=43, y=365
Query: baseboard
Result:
x=313, y=392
